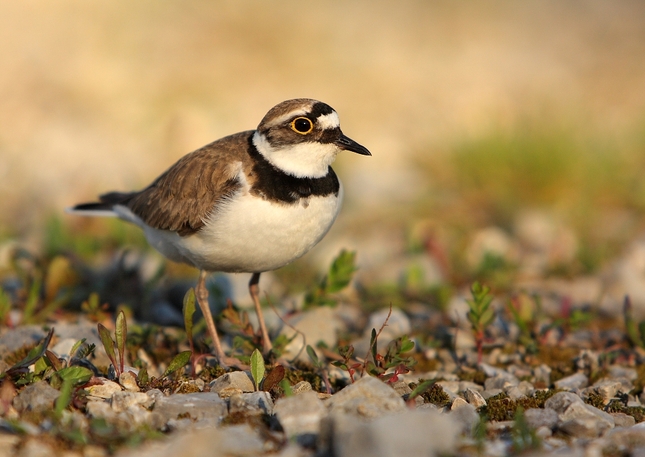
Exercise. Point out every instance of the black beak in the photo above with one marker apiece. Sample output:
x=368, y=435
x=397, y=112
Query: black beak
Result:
x=350, y=145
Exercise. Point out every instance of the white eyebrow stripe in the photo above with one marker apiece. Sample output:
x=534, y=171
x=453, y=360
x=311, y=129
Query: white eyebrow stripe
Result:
x=285, y=117
x=329, y=121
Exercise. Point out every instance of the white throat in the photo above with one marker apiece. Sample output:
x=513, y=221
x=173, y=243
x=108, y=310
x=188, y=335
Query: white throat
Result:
x=302, y=160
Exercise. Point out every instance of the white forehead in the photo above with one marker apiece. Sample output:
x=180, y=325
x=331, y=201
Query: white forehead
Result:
x=329, y=121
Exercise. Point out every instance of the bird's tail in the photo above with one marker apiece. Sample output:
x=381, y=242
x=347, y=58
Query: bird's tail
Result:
x=103, y=208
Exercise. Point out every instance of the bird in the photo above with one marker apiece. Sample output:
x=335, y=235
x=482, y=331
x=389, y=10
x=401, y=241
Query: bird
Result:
x=250, y=202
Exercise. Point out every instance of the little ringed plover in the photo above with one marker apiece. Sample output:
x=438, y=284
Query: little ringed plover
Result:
x=250, y=202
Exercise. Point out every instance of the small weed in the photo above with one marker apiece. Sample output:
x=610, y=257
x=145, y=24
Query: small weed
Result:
x=523, y=437
x=115, y=350
x=480, y=314
x=635, y=330
x=338, y=277
x=320, y=366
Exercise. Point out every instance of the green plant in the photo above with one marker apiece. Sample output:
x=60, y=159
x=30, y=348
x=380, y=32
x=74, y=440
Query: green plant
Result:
x=338, y=277
x=93, y=308
x=378, y=365
x=320, y=366
x=524, y=312
x=480, y=314
x=46, y=287
x=523, y=436
x=635, y=330
x=115, y=350
x=346, y=352
x=36, y=353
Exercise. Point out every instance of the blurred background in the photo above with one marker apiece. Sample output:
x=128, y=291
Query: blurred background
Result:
x=508, y=138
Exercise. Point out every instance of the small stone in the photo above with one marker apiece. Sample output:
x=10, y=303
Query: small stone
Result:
x=543, y=432
x=235, y=440
x=234, y=380
x=228, y=392
x=464, y=414
x=8, y=443
x=463, y=385
x=121, y=401
x=405, y=434
x=617, y=371
x=542, y=375
x=300, y=417
x=129, y=381
x=514, y=393
x=626, y=440
x=35, y=447
x=491, y=393
x=37, y=397
x=501, y=381
x=584, y=420
x=450, y=387
x=623, y=420
x=199, y=406
x=538, y=417
x=474, y=398
x=526, y=388
x=301, y=387
x=104, y=390
x=367, y=397
x=571, y=383
x=561, y=401
x=251, y=403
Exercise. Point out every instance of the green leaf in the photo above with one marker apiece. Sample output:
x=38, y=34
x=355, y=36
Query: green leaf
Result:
x=75, y=374
x=121, y=333
x=76, y=346
x=33, y=355
x=257, y=368
x=41, y=365
x=421, y=388
x=33, y=298
x=406, y=344
x=108, y=344
x=311, y=352
x=286, y=386
x=65, y=397
x=341, y=271
x=189, y=311
x=142, y=377
x=180, y=361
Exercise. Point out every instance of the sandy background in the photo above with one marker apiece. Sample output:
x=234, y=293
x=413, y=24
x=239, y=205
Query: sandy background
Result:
x=98, y=96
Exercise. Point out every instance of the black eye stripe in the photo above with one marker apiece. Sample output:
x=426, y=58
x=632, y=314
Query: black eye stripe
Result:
x=330, y=136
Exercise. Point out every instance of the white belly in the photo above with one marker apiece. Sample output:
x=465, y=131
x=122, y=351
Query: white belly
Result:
x=249, y=234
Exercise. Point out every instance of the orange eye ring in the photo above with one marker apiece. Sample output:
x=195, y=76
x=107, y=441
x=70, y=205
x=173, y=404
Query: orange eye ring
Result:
x=302, y=125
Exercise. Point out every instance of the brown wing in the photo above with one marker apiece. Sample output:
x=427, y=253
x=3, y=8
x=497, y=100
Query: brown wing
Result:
x=182, y=198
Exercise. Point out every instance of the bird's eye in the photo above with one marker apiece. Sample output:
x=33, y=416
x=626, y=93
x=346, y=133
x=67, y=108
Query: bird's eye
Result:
x=302, y=125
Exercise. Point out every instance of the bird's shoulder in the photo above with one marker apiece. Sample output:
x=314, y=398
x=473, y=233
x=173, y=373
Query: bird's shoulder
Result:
x=182, y=197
